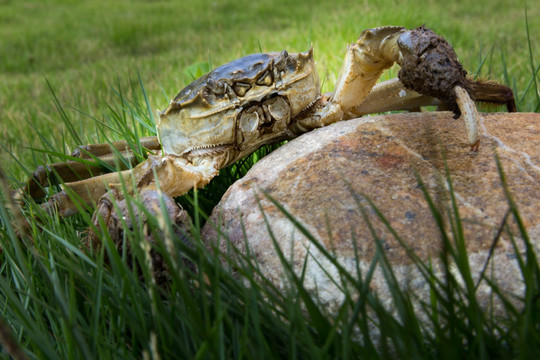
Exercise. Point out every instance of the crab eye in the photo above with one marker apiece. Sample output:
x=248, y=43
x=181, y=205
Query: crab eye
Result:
x=217, y=87
x=241, y=88
x=265, y=79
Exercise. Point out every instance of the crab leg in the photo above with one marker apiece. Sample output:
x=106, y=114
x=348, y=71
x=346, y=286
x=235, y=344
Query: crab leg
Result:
x=172, y=175
x=391, y=95
x=158, y=177
x=84, y=151
x=69, y=171
x=82, y=193
x=73, y=170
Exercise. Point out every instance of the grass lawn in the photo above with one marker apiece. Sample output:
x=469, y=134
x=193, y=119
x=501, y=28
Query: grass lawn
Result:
x=71, y=73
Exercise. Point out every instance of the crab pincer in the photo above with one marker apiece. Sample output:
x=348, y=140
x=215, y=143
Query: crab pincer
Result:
x=430, y=66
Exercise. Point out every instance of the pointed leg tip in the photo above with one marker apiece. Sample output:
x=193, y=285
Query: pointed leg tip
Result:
x=470, y=116
x=475, y=147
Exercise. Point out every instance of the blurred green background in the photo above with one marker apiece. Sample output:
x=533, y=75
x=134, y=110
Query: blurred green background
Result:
x=86, y=49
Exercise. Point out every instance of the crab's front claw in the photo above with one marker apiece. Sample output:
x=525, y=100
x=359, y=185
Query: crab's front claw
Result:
x=152, y=184
x=118, y=217
x=148, y=194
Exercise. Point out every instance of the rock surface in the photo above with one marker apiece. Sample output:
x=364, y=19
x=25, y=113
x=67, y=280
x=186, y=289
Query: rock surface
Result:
x=321, y=176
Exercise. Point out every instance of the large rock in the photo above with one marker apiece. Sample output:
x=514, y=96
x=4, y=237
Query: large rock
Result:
x=322, y=176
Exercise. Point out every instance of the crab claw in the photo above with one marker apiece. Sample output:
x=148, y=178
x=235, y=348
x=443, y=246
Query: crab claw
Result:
x=430, y=74
x=118, y=217
x=429, y=66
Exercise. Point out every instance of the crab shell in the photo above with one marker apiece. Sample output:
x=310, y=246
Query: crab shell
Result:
x=239, y=106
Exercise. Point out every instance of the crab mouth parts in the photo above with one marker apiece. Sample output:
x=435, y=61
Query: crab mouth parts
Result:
x=206, y=151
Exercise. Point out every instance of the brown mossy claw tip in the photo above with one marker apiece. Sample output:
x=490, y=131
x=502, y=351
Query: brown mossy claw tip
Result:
x=430, y=66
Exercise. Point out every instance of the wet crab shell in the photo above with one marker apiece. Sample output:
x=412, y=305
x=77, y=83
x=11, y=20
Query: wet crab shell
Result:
x=206, y=114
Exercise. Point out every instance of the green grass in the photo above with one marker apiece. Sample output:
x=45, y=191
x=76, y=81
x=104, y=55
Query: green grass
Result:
x=85, y=48
x=71, y=72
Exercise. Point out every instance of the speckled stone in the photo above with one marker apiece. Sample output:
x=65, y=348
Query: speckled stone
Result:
x=323, y=177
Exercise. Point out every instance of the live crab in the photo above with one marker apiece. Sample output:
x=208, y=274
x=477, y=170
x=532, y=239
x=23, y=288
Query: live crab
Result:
x=261, y=99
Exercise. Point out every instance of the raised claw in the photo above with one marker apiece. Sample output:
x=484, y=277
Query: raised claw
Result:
x=430, y=74
x=429, y=66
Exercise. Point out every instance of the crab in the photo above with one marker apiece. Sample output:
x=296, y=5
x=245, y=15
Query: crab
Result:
x=261, y=99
